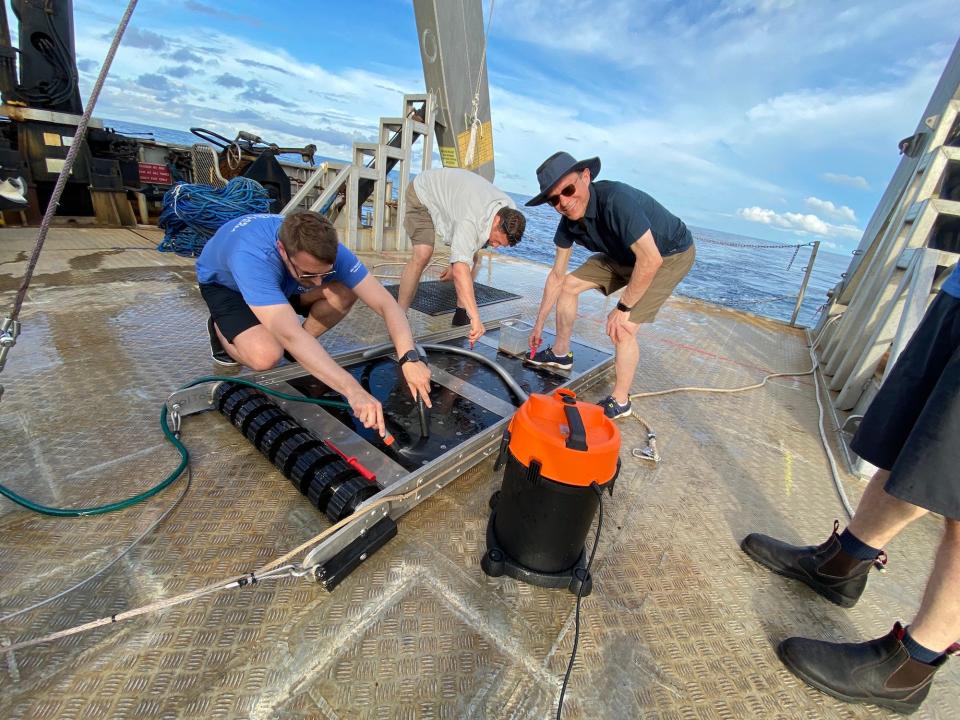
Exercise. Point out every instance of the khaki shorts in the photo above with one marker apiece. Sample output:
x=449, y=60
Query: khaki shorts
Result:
x=417, y=221
x=610, y=276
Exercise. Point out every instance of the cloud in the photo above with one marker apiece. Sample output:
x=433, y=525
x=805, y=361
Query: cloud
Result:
x=854, y=181
x=256, y=92
x=178, y=71
x=263, y=65
x=220, y=13
x=187, y=56
x=799, y=223
x=145, y=39
x=87, y=65
x=827, y=208
x=229, y=81
x=153, y=81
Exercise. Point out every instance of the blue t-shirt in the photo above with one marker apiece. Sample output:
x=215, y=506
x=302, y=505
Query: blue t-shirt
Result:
x=951, y=285
x=242, y=255
x=616, y=216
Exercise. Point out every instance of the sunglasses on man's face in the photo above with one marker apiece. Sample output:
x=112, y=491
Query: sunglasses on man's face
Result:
x=297, y=272
x=300, y=275
x=568, y=191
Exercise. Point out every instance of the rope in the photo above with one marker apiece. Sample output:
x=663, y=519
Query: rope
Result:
x=760, y=384
x=78, y=139
x=114, y=561
x=476, y=127
x=650, y=452
x=274, y=569
x=193, y=213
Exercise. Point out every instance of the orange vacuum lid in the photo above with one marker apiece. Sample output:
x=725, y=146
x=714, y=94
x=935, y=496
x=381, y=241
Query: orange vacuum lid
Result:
x=574, y=442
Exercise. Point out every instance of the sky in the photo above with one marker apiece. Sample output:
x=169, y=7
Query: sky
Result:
x=776, y=119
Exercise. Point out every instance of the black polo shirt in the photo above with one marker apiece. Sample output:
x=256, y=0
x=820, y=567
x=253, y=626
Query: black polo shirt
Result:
x=616, y=216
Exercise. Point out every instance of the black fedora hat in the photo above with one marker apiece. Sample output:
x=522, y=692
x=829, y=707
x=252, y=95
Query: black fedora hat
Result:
x=554, y=168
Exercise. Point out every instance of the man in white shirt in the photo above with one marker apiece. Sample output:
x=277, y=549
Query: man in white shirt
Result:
x=468, y=213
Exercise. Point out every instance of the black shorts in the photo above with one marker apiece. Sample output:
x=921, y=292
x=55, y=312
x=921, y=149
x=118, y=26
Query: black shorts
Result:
x=912, y=427
x=230, y=311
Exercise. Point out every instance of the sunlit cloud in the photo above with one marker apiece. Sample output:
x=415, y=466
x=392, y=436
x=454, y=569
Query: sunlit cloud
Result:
x=825, y=207
x=854, y=181
x=800, y=223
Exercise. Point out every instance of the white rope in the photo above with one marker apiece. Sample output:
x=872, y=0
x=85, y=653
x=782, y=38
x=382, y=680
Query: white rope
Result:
x=476, y=127
x=274, y=569
x=814, y=371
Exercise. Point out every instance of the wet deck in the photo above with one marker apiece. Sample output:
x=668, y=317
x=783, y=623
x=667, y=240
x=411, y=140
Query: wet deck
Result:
x=680, y=624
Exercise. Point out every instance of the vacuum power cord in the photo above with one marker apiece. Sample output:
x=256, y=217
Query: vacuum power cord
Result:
x=586, y=574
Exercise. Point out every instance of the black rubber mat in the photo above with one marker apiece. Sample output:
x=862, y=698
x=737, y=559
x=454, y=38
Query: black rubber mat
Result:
x=438, y=298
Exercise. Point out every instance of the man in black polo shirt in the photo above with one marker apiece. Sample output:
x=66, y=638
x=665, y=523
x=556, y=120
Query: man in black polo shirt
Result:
x=639, y=246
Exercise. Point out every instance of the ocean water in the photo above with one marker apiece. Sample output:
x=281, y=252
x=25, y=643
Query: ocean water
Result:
x=758, y=276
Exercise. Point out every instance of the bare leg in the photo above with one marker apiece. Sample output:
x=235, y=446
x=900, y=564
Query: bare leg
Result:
x=625, y=363
x=567, y=311
x=329, y=304
x=410, y=277
x=937, y=624
x=881, y=516
x=255, y=347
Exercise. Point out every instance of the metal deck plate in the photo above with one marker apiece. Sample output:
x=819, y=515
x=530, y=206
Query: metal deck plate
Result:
x=439, y=298
x=681, y=624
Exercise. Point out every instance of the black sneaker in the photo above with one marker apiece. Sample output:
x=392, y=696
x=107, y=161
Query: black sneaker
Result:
x=547, y=358
x=217, y=353
x=612, y=409
x=460, y=317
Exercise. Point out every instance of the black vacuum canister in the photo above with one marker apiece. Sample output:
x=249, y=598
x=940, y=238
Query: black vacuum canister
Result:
x=554, y=449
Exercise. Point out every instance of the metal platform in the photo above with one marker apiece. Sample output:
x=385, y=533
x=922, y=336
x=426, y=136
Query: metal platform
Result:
x=439, y=298
x=680, y=623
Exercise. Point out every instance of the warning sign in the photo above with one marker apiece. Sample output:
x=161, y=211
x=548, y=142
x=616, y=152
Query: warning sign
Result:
x=155, y=173
x=483, y=146
x=448, y=156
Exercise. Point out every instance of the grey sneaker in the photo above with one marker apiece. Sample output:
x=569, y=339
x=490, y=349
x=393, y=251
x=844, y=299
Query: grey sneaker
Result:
x=547, y=358
x=217, y=353
x=612, y=409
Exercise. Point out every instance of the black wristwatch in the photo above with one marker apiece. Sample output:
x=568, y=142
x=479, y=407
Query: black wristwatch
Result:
x=410, y=356
x=623, y=308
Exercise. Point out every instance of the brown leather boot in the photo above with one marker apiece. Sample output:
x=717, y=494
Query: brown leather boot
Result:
x=880, y=671
x=826, y=568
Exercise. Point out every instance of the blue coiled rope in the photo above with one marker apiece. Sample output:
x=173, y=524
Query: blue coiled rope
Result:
x=193, y=213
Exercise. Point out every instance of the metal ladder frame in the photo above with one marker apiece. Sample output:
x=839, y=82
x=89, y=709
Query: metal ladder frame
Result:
x=370, y=161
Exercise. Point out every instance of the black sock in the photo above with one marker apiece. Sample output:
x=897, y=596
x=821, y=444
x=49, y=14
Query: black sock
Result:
x=852, y=545
x=917, y=651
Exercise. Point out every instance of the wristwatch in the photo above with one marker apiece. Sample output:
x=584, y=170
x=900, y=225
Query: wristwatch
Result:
x=623, y=308
x=410, y=356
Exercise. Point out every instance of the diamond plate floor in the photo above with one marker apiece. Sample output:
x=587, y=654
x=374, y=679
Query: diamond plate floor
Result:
x=680, y=625
x=438, y=298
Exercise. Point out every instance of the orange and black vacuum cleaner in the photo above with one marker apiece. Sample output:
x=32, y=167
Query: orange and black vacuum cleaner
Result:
x=560, y=454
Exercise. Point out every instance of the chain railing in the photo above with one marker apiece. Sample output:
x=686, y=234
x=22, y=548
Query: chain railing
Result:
x=807, y=270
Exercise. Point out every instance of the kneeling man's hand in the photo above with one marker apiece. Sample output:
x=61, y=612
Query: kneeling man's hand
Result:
x=367, y=409
x=417, y=375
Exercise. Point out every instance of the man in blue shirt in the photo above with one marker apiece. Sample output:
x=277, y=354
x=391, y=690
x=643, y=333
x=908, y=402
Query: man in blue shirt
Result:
x=909, y=433
x=259, y=273
x=639, y=246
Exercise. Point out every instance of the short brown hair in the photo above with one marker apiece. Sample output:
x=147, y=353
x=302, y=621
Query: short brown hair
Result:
x=309, y=232
x=513, y=223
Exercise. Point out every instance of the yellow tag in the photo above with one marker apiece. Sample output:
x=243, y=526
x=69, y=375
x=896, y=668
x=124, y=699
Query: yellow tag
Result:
x=448, y=156
x=483, y=150
x=52, y=139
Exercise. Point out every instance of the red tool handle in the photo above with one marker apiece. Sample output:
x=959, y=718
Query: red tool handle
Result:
x=353, y=462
